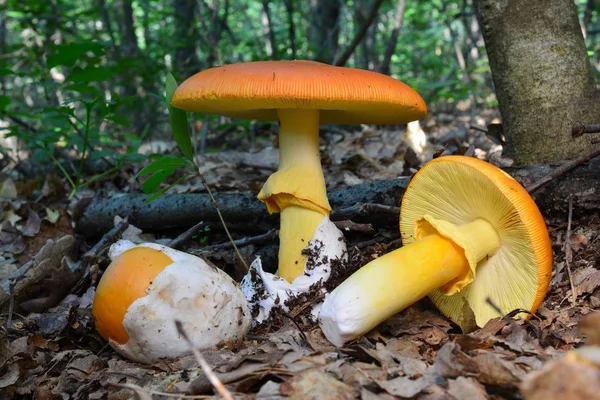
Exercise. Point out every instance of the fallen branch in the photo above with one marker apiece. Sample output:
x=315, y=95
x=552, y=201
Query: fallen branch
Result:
x=563, y=169
x=240, y=209
x=580, y=129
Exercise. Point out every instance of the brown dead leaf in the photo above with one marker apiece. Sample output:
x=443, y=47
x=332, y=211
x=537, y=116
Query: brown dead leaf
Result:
x=33, y=223
x=493, y=370
x=412, y=322
x=578, y=241
x=404, y=386
x=41, y=343
x=452, y=362
x=8, y=190
x=466, y=318
x=10, y=376
x=561, y=380
x=314, y=384
x=589, y=283
x=368, y=395
x=467, y=389
x=590, y=327
x=270, y=391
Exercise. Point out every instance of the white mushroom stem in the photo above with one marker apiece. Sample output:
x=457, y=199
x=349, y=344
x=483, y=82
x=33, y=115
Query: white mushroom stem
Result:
x=444, y=259
x=297, y=190
x=265, y=291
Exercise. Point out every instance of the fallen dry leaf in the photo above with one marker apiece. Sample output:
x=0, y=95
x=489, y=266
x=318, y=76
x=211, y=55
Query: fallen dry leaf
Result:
x=314, y=384
x=561, y=380
x=467, y=389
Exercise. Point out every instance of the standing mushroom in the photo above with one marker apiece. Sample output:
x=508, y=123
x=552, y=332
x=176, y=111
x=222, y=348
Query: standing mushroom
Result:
x=301, y=95
x=470, y=232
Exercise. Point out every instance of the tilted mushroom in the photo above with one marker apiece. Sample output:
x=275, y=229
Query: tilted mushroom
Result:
x=470, y=232
x=147, y=286
x=300, y=95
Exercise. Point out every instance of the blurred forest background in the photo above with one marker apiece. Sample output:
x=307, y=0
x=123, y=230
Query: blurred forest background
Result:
x=88, y=76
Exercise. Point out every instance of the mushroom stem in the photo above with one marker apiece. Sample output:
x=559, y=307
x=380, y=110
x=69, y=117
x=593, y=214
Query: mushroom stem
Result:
x=390, y=283
x=297, y=190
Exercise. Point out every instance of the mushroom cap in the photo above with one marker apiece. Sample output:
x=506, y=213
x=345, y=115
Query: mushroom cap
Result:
x=255, y=90
x=462, y=189
x=148, y=286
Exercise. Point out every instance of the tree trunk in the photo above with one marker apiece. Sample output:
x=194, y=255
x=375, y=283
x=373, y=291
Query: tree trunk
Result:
x=391, y=45
x=324, y=30
x=360, y=34
x=267, y=23
x=587, y=15
x=186, y=61
x=289, y=7
x=542, y=75
x=129, y=38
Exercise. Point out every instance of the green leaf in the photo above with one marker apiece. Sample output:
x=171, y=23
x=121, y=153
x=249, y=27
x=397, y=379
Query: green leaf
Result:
x=68, y=54
x=117, y=119
x=6, y=72
x=159, y=193
x=90, y=74
x=4, y=102
x=82, y=88
x=179, y=122
x=154, y=181
x=166, y=162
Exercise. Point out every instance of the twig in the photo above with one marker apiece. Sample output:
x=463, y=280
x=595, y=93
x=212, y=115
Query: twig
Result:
x=579, y=129
x=11, y=304
x=566, y=167
x=140, y=392
x=20, y=122
x=300, y=331
x=569, y=253
x=212, y=199
x=212, y=377
x=476, y=128
x=378, y=240
x=365, y=209
x=348, y=225
x=265, y=237
x=84, y=261
x=359, y=35
x=185, y=236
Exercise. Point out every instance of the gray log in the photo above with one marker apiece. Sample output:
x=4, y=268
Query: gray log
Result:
x=241, y=209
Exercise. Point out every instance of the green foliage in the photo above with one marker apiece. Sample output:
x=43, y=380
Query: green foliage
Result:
x=179, y=122
x=80, y=79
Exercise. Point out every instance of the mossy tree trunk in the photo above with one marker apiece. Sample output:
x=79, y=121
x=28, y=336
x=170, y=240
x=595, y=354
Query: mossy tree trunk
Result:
x=542, y=75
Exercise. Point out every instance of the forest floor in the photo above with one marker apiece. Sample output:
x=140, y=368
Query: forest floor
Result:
x=49, y=348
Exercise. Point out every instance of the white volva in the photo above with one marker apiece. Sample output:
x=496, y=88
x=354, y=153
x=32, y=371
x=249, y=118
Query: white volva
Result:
x=265, y=291
x=205, y=299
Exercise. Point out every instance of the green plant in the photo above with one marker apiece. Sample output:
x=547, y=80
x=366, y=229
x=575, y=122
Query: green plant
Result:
x=160, y=169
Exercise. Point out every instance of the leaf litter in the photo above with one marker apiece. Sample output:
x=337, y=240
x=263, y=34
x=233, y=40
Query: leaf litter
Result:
x=49, y=348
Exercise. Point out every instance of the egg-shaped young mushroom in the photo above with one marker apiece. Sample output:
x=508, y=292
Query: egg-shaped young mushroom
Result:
x=300, y=95
x=470, y=233
x=146, y=287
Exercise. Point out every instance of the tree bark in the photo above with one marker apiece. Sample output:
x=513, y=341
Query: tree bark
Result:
x=543, y=78
x=268, y=28
x=391, y=45
x=289, y=7
x=186, y=60
x=343, y=59
x=109, y=28
x=587, y=15
x=324, y=30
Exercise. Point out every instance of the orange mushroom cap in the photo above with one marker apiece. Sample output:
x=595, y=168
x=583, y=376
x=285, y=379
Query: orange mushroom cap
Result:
x=255, y=90
x=125, y=280
x=460, y=189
